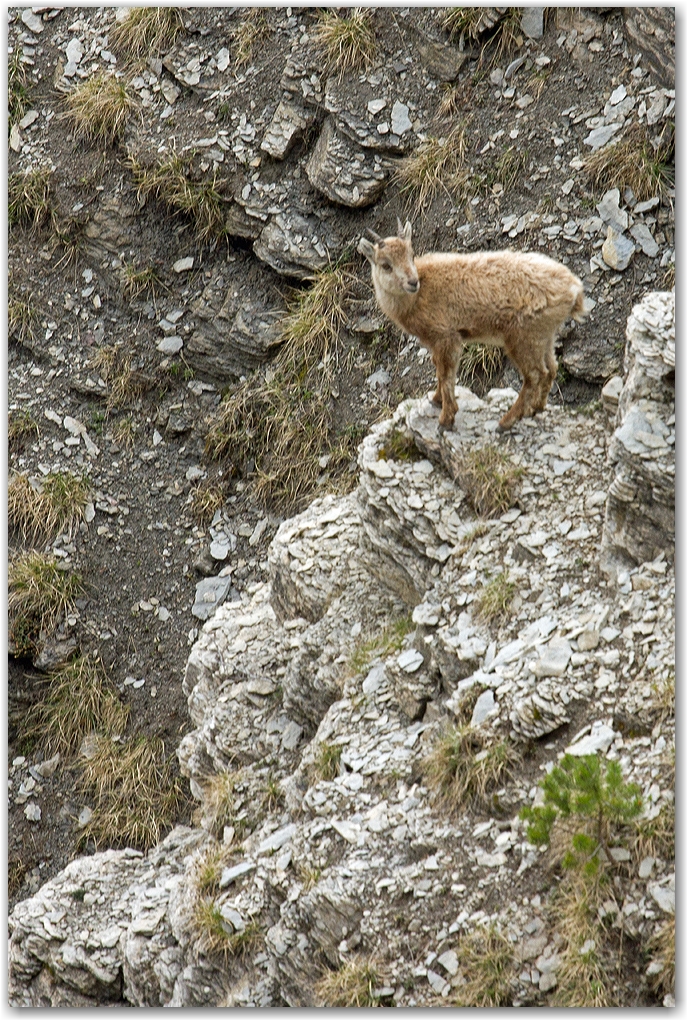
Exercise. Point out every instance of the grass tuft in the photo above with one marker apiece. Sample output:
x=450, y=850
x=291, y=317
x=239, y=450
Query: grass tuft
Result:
x=124, y=383
x=636, y=161
x=327, y=761
x=54, y=504
x=495, y=597
x=353, y=985
x=281, y=420
x=40, y=594
x=98, y=108
x=486, y=960
x=400, y=446
x=467, y=23
x=480, y=363
x=147, y=31
x=21, y=426
x=215, y=936
x=22, y=317
x=219, y=801
x=489, y=480
x=463, y=768
x=655, y=837
x=661, y=947
x=18, y=98
x=348, y=42
x=138, y=283
x=206, y=499
x=436, y=164
x=584, y=979
x=137, y=795
x=252, y=29
x=80, y=700
x=124, y=431
x=171, y=183
x=30, y=199
x=389, y=640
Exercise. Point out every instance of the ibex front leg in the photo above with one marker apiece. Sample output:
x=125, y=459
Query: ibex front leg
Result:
x=446, y=359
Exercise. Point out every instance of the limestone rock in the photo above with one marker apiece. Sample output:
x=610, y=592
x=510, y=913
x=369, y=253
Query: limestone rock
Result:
x=288, y=124
x=640, y=510
x=540, y=712
x=652, y=30
x=296, y=245
x=343, y=172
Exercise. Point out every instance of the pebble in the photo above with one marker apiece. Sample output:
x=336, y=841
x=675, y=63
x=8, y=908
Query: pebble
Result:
x=617, y=250
x=183, y=265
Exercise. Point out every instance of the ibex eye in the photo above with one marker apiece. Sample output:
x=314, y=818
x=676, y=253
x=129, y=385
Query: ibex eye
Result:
x=386, y=267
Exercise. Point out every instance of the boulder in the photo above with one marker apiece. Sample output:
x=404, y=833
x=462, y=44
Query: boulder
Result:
x=344, y=172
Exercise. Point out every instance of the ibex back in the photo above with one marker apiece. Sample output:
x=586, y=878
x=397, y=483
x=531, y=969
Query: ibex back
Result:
x=514, y=300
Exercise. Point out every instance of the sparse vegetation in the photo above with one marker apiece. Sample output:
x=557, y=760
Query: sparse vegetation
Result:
x=252, y=29
x=80, y=700
x=281, y=420
x=661, y=948
x=353, y=985
x=147, y=31
x=21, y=425
x=486, y=961
x=399, y=446
x=53, y=504
x=489, y=480
x=40, y=594
x=98, y=108
x=219, y=802
x=207, y=498
x=18, y=98
x=347, y=40
x=272, y=795
x=69, y=235
x=436, y=164
x=327, y=760
x=171, y=182
x=495, y=597
x=30, y=199
x=655, y=837
x=468, y=23
x=586, y=789
x=480, y=363
x=143, y=282
x=389, y=640
x=464, y=768
x=124, y=431
x=635, y=161
x=216, y=936
x=22, y=317
x=208, y=869
x=585, y=979
x=137, y=795
x=125, y=384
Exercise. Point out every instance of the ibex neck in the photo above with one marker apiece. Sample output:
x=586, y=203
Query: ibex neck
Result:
x=397, y=307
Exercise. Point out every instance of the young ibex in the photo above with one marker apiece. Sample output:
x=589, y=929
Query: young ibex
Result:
x=514, y=300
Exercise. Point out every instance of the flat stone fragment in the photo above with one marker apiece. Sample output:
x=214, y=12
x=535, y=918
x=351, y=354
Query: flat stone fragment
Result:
x=600, y=739
x=617, y=250
x=410, y=660
x=646, y=867
x=600, y=135
x=343, y=171
x=436, y=981
x=277, y=840
x=229, y=875
x=449, y=961
x=400, y=121
x=554, y=659
x=291, y=736
x=170, y=345
x=532, y=22
x=664, y=896
x=644, y=239
x=32, y=812
x=610, y=211
x=289, y=122
x=146, y=923
x=483, y=706
x=32, y=21
x=183, y=265
x=210, y=593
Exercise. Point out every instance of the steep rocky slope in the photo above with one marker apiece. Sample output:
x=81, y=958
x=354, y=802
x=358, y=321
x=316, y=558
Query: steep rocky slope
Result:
x=362, y=861
x=120, y=385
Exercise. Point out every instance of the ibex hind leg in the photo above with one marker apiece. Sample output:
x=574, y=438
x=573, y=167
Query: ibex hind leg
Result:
x=547, y=380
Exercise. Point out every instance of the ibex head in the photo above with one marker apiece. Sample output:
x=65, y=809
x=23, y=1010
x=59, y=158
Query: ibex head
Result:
x=393, y=268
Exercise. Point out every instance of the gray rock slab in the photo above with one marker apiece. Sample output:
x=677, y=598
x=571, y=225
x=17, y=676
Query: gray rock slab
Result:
x=532, y=22
x=210, y=593
x=229, y=875
x=277, y=840
x=617, y=250
x=601, y=135
x=288, y=124
x=170, y=345
x=343, y=171
x=483, y=706
x=554, y=658
x=400, y=121
x=600, y=739
x=644, y=239
x=610, y=211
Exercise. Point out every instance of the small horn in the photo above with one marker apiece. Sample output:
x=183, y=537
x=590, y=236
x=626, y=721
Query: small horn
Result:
x=375, y=236
x=400, y=226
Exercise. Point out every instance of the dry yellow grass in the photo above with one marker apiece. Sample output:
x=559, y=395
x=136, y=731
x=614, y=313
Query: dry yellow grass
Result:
x=137, y=796
x=489, y=480
x=147, y=31
x=352, y=986
x=584, y=978
x=437, y=164
x=215, y=936
x=463, y=767
x=80, y=700
x=634, y=162
x=253, y=28
x=53, y=504
x=40, y=595
x=347, y=41
x=486, y=961
x=495, y=597
x=30, y=199
x=98, y=108
x=171, y=182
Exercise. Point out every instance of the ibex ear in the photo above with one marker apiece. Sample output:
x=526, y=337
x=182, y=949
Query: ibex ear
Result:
x=367, y=249
x=399, y=226
x=407, y=232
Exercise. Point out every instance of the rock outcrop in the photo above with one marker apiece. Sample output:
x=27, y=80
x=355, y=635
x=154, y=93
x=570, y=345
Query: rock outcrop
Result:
x=320, y=680
x=640, y=512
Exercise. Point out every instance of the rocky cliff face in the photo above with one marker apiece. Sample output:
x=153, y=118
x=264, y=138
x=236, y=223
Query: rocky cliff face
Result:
x=318, y=697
